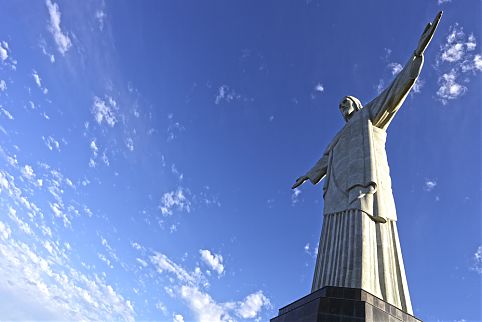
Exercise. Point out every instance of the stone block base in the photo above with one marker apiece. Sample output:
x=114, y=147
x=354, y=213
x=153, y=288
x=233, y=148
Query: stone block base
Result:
x=341, y=304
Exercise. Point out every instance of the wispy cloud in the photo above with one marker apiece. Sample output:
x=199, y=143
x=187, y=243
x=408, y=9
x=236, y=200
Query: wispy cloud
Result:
x=395, y=68
x=55, y=291
x=105, y=110
x=100, y=16
x=191, y=288
x=3, y=50
x=317, y=90
x=477, y=260
x=214, y=261
x=51, y=143
x=164, y=264
x=28, y=172
x=449, y=87
x=6, y=113
x=61, y=39
x=178, y=318
x=252, y=305
x=429, y=185
x=226, y=94
x=206, y=309
x=456, y=59
x=310, y=250
x=295, y=196
x=5, y=56
x=37, y=79
x=3, y=85
x=175, y=199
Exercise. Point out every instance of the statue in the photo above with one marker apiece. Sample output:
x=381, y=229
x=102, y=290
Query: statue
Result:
x=359, y=245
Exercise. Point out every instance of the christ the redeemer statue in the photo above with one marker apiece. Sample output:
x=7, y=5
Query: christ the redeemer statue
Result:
x=359, y=245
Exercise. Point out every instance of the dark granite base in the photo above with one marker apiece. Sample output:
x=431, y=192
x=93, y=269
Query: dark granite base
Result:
x=340, y=304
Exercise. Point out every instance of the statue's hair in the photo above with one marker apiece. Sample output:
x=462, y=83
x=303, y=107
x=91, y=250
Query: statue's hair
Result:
x=358, y=104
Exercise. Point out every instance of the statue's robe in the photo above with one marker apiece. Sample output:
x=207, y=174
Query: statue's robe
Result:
x=354, y=250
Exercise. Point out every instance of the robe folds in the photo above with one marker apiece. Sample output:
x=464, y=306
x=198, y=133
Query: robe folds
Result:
x=355, y=251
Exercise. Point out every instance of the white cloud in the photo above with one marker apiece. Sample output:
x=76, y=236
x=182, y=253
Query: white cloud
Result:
x=43, y=46
x=57, y=210
x=457, y=54
x=175, y=199
x=395, y=68
x=3, y=85
x=380, y=86
x=3, y=50
x=471, y=43
x=130, y=144
x=430, y=185
x=112, y=254
x=204, y=307
x=100, y=16
x=25, y=227
x=107, y=261
x=176, y=172
x=40, y=289
x=178, y=318
x=28, y=172
x=51, y=143
x=252, y=305
x=163, y=263
x=449, y=88
x=319, y=88
x=478, y=62
x=136, y=245
x=161, y=307
x=417, y=87
x=105, y=159
x=214, y=261
x=6, y=113
x=93, y=147
x=477, y=258
x=104, y=110
x=37, y=79
x=453, y=53
x=226, y=94
x=443, y=1
x=92, y=163
x=454, y=48
x=5, y=231
x=142, y=262
x=295, y=196
x=61, y=39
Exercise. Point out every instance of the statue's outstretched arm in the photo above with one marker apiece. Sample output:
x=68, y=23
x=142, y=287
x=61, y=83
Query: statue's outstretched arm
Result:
x=316, y=173
x=384, y=107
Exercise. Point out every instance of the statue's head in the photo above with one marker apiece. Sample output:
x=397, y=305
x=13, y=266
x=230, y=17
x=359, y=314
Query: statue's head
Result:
x=349, y=105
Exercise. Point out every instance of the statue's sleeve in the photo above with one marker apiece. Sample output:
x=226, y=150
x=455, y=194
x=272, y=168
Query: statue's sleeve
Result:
x=318, y=171
x=384, y=107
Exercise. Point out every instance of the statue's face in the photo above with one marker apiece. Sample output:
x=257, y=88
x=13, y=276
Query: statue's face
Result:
x=347, y=107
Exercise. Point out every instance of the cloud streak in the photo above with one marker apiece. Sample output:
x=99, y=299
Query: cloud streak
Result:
x=61, y=39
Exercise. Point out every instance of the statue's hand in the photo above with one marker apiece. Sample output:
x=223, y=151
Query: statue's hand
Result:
x=427, y=35
x=299, y=181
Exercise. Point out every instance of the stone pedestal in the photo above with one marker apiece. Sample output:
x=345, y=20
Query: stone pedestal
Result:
x=341, y=304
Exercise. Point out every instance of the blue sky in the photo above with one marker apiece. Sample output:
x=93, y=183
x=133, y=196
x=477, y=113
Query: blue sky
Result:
x=147, y=152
